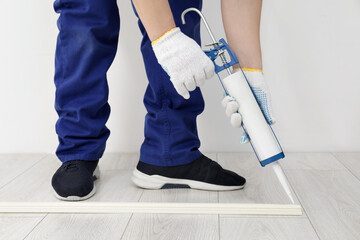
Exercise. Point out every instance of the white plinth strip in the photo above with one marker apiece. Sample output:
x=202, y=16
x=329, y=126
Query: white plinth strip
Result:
x=149, y=207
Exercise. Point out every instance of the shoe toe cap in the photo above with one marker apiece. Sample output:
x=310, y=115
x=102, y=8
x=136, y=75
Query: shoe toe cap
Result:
x=233, y=179
x=66, y=185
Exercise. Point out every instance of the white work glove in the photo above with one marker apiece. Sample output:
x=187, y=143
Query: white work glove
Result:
x=261, y=91
x=183, y=60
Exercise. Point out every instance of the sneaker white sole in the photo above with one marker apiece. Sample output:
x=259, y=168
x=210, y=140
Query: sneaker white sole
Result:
x=157, y=182
x=77, y=198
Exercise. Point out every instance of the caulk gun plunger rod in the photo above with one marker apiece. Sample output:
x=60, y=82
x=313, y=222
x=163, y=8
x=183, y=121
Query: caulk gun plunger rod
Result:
x=203, y=19
x=209, y=30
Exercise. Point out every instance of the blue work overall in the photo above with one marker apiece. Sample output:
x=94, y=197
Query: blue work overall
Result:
x=86, y=47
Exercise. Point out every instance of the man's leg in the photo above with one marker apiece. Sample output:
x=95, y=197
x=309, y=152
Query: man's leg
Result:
x=170, y=125
x=170, y=155
x=86, y=46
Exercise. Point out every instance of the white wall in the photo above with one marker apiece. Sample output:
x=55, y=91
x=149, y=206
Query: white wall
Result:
x=311, y=55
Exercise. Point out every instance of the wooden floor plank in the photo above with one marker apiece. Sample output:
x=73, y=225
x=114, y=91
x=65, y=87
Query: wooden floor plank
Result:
x=266, y=228
x=116, y=185
x=306, y=161
x=17, y=226
x=351, y=160
x=262, y=185
x=172, y=227
x=16, y=164
x=81, y=227
x=34, y=184
x=331, y=199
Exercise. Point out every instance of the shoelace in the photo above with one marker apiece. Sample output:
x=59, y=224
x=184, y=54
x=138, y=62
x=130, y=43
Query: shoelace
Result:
x=70, y=165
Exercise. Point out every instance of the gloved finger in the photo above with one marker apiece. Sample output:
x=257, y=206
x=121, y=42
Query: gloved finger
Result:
x=268, y=115
x=244, y=138
x=209, y=69
x=181, y=89
x=265, y=104
x=236, y=120
x=231, y=107
x=199, y=78
x=264, y=99
x=190, y=84
x=226, y=100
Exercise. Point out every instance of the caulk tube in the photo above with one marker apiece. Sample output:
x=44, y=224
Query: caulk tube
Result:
x=261, y=136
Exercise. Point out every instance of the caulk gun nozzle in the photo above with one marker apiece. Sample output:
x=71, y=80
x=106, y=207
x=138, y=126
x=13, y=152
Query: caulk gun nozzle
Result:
x=283, y=180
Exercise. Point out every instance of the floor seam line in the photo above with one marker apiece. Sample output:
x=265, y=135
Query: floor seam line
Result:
x=344, y=166
x=127, y=225
x=132, y=214
x=36, y=226
x=27, y=169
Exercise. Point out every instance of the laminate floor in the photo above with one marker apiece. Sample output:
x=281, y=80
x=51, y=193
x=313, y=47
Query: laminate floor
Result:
x=327, y=185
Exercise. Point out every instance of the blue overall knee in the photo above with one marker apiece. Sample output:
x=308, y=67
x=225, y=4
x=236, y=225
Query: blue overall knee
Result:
x=171, y=136
x=86, y=46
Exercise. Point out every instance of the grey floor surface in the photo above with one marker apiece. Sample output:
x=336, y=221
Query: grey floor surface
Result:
x=327, y=185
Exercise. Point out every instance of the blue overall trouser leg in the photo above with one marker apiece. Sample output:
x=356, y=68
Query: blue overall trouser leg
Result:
x=171, y=136
x=86, y=46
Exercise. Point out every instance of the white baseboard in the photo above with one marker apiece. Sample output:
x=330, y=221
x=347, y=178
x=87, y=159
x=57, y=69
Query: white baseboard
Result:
x=150, y=207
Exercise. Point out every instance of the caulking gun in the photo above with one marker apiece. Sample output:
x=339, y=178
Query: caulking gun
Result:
x=261, y=136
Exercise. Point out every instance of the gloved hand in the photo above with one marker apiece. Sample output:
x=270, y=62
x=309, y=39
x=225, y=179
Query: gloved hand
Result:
x=183, y=60
x=261, y=91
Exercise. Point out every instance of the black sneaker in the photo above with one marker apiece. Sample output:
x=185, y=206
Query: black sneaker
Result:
x=74, y=180
x=203, y=173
